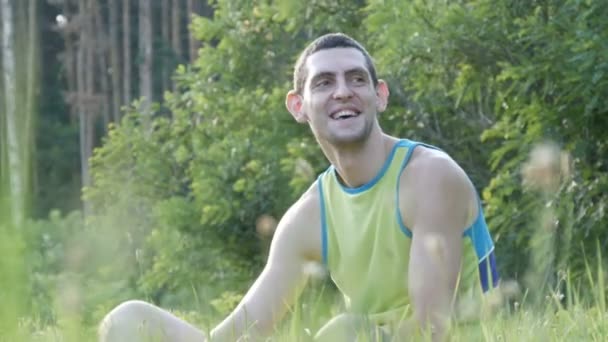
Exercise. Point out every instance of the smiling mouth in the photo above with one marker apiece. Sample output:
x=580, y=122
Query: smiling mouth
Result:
x=345, y=114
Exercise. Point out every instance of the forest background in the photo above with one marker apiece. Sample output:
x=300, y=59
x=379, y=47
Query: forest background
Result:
x=146, y=152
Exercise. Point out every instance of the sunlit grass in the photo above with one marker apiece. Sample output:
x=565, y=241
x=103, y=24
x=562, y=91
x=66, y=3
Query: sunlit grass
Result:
x=517, y=322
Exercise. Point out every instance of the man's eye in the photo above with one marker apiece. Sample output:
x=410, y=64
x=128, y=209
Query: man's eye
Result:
x=359, y=79
x=322, y=83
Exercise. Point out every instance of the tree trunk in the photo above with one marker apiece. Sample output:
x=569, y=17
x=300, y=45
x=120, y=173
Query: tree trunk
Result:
x=176, y=38
x=13, y=189
x=193, y=8
x=114, y=61
x=81, y=93
x=165, y=31
x=145, y=47
x=31, y=93
x=69, y=62
x=92, y=104
x=15, y=166
x=101, y=49
x=126, y=47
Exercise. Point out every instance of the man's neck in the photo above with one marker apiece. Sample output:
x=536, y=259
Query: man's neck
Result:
x=358, y=164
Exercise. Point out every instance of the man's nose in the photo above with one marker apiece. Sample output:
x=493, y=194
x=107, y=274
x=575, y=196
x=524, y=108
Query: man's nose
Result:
x=342, y=90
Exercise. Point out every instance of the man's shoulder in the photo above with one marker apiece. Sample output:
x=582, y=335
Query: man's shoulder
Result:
x=433, y=179
x=308, y=203
x=429, y=162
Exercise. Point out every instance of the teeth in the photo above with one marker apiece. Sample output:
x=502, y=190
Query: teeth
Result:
x=344, y=113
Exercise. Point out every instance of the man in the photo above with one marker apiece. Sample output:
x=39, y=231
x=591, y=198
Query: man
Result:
x=398, y=224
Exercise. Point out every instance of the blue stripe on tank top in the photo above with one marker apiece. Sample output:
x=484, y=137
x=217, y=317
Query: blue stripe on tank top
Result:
x=403, y=143
x=323, y=221
x=487, y=269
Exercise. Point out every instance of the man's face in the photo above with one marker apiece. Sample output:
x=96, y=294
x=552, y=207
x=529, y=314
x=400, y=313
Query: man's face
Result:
x=339, y=100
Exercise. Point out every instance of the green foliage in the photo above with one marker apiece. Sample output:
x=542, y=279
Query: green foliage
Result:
x=58, y=154
x=440, y=72
x=551, y=89
x=70, y=277
x=47, y=240
x=486, y=81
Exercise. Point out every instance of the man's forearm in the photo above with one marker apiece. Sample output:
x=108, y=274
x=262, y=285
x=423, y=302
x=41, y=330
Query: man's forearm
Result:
x=237, y=327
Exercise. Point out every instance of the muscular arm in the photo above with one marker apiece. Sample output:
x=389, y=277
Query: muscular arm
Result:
x=445, y=206
x=282, y=279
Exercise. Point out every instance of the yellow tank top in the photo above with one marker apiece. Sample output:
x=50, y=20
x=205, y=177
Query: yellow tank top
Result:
x=366, y=246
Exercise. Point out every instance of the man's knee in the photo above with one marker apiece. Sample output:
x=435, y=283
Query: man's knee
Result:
x=124, y=321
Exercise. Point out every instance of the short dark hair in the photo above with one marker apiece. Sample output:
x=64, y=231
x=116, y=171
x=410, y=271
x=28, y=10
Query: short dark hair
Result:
x=329, y=41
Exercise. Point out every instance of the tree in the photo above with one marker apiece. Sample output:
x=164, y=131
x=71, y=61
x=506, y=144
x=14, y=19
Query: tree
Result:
x=115, y=65
x=165, y=33
x=83, y=88
x=18, y=105
x=102, y=44
x=32, y=87
x=145, y=50
x=126, y=47
x=16, y=171
x=192, y=8
x=176, y=29
x=94, y=33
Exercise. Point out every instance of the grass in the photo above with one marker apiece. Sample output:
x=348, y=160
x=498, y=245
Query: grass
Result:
x=573, y=324
x=578, y=314
x=555, y=320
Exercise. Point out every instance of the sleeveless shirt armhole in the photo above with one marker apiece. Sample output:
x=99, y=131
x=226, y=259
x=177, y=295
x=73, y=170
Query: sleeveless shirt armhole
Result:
x=323, y=221
x=411, y=147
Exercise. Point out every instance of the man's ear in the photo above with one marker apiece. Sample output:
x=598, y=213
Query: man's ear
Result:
x=293, y=102
x=382, y=94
